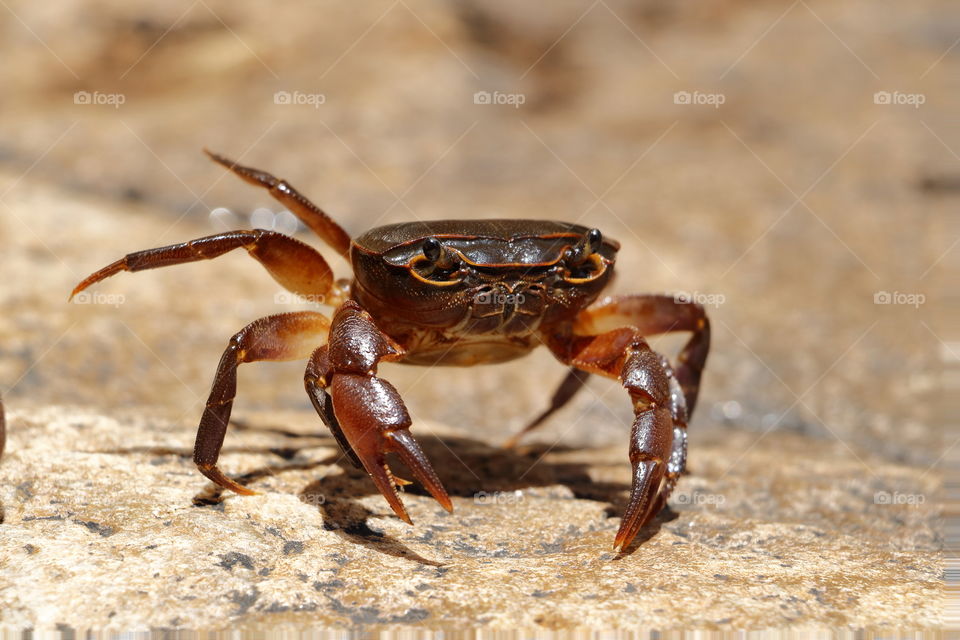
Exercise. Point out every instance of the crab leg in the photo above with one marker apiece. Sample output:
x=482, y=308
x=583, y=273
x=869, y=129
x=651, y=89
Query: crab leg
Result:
x=366, y=414
x=657, y=438
x=572, y=383
x=282, y=191
x=295, y=265
x=651, y=315
x=285, y=336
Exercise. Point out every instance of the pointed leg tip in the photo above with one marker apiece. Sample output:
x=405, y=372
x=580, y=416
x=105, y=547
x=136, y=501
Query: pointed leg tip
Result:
x=219, y=159
x=242, y=490
x=220, y=479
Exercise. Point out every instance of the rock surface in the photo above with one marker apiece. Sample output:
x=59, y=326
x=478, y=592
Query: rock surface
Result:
x=107, y=523
x=815, y=222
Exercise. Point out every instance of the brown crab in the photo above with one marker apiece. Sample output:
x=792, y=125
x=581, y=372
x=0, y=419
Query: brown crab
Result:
x=450, y=292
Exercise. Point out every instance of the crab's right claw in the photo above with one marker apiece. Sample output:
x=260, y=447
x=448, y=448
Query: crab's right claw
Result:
x=375, y=422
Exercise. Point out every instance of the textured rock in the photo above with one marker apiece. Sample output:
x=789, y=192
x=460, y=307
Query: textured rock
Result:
x=107, y=523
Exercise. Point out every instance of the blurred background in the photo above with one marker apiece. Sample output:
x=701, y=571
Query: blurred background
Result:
x=792, y=165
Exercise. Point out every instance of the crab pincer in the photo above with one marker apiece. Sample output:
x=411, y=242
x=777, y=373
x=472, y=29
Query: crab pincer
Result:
x=365, y=412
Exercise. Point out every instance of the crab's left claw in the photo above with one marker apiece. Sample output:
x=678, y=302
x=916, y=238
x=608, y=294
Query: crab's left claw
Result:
x=365, y=412
x=374, y=421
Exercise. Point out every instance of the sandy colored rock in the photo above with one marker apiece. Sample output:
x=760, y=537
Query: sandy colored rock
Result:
x=107, y=523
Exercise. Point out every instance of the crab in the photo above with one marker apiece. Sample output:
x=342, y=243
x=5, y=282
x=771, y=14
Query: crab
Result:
x=449, y=292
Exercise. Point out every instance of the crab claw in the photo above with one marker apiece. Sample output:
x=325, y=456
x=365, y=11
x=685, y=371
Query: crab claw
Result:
x=375, y=422
x=647, y=475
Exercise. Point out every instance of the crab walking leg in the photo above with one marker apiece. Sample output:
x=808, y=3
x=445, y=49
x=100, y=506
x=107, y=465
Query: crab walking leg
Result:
x=651, y=315
x=370, y=417
x=285, y=336
x=284, y=193
x=658, y=407
x=295, y=265
x=572, y=383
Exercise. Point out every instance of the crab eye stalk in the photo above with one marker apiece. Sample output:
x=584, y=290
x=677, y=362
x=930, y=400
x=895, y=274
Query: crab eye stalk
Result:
x=437, y=264
x=580, y=253
x=438, y=255
x=583, y=261
x=432, y=249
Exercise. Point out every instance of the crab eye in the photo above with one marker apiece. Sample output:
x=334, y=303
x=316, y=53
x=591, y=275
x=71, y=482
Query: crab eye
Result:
x=432, y=249
x=582, y=260
x=437, y=265
x=594, y=238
